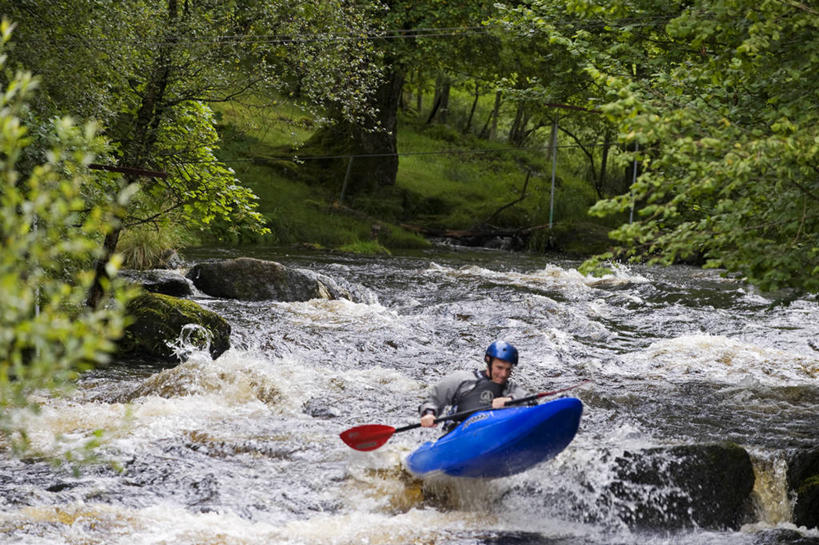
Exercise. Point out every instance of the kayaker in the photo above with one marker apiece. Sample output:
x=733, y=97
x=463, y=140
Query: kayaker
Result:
x=476, y=389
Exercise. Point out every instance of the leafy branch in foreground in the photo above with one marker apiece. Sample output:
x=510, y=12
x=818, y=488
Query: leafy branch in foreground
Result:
x=49, y=238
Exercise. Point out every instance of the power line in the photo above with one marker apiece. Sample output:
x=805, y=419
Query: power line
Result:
x=297, y=157
x=387, y=34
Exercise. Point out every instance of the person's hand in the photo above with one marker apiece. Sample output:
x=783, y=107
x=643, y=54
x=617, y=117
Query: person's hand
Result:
x=428, y=421
x=499, y=402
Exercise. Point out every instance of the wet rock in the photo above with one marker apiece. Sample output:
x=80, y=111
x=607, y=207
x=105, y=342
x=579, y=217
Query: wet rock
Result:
x=59, y=487
x=317, y=408
x=160, y=321
x=160, y=281
x=518, y=538
x=170, y=260
x=258, y=280
x=693, y=485
x=803, y=482
x=782, y=536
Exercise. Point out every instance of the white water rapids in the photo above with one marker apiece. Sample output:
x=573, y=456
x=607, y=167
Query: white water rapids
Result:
x=245, y=449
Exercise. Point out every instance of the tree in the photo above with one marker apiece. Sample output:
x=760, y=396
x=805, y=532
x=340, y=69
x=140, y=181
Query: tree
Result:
x=548, y=81
x=432, y=35
x=161, y=63
x=720, y=99
x=49, y=239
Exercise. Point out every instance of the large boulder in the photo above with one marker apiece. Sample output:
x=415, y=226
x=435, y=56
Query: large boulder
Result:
x=685, y=486
x=160, y=281
x=161, y=321
x=251, y=279
x=803, y=482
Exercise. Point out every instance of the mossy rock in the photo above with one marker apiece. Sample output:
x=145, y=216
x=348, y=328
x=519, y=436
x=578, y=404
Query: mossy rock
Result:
x=160, y=320
x=803, y=481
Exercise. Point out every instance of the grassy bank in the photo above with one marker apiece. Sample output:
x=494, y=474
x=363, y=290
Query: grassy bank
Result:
x=448, y=179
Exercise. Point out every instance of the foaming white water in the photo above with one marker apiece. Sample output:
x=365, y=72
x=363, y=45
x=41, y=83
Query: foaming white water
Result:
x=168, y=523
x=552, y=277
x=226, y=397
x=339, y=312
x=771, y=498
x=718, y=359
x=245, y=449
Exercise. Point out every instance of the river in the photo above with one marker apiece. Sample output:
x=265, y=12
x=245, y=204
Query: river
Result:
x=245, y=449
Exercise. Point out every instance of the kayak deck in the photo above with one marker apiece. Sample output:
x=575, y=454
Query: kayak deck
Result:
x=501, y=442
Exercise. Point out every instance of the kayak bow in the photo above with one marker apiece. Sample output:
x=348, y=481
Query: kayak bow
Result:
x=501, y=442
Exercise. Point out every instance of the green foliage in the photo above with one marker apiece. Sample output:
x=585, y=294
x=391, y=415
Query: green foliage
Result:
x=46, y=229
x=147, y=72
x=199, y=189
x=720, y=98
x=146, y=246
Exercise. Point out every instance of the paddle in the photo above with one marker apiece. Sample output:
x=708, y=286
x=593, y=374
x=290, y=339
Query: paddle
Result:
x=372, y=436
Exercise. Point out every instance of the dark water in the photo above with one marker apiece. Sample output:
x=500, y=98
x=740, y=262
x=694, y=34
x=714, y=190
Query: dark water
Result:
x=245, y=449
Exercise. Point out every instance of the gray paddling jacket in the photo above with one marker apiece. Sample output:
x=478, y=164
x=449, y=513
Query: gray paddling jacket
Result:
x=466, y=391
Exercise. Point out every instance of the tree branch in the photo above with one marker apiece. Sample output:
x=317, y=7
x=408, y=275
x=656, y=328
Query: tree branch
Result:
x=513, y=203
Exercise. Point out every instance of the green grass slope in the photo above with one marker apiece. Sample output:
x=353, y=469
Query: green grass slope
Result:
x=447, y=180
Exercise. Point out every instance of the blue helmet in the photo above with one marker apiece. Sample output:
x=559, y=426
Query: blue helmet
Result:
x=503, y=351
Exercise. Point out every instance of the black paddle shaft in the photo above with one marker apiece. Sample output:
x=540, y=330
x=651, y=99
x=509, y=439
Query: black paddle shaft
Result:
x=464, y=414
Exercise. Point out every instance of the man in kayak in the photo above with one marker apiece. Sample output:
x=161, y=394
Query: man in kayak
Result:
x=477, y=389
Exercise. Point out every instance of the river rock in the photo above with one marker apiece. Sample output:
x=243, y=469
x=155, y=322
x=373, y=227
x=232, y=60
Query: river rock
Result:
x=803, y=482
x=170, y=260
x=251, y=279
x=685, y=486
x=160, y=281
x=161, y=320
x=784, y=536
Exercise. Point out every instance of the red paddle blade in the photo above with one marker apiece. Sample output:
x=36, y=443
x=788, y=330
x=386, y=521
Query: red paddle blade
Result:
x=367, y=437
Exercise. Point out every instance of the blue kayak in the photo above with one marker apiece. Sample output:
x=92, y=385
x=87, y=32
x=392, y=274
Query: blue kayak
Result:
x=501, y=442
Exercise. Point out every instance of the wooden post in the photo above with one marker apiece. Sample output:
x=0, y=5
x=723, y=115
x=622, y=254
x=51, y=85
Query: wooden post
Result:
x=554, y=172
x=633, y=180
x=346, y=179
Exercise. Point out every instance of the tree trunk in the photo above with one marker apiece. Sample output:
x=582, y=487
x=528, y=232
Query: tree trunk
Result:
x=435, y=105
x=97, y=290
x=517, y=134
x=137, y=144
x=490, y=128
x=472, y=111
x=441, y=102
x=443, y=110
x=419, y=99
x=601, y=181
x=376, y=161
x=374, y=151
x=493, y=132
x=515, y=123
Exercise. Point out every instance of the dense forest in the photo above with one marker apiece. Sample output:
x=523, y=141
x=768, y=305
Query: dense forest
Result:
x=686, y=129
